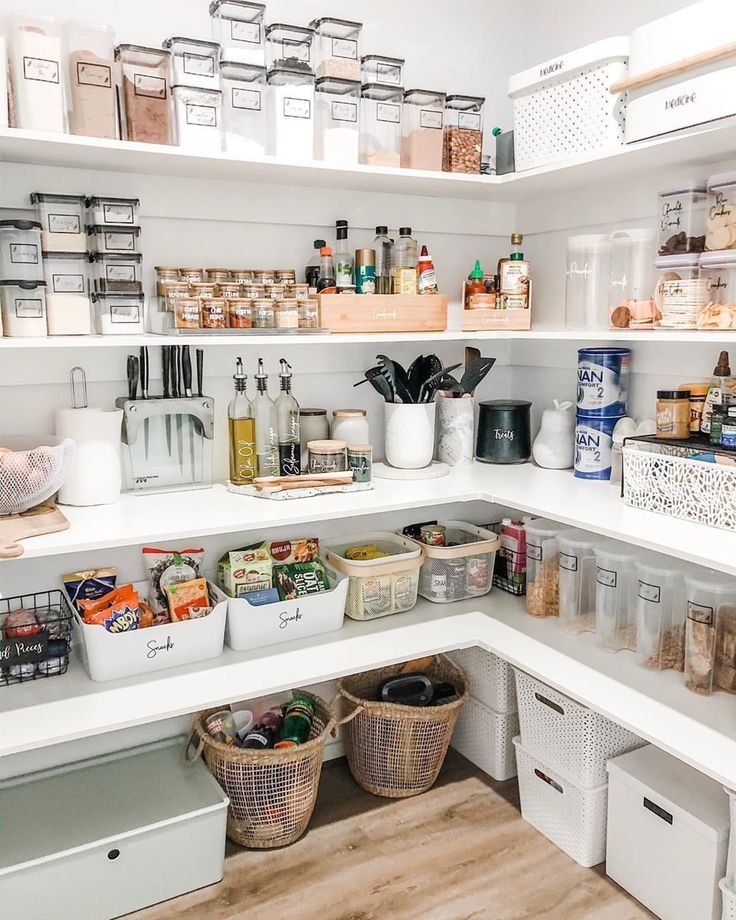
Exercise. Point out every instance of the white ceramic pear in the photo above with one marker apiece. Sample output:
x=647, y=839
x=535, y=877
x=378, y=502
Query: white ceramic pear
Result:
x=554, y=446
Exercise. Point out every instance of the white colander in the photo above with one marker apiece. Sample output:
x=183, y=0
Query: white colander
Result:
x=29, y=473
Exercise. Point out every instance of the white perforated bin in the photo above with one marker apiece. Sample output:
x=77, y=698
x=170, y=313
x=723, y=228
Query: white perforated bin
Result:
x=729, y=900
x=490, y=679
x=568, y=736
x=485, y=738
x=563, y=109
x=731, y=868
x=572, y=817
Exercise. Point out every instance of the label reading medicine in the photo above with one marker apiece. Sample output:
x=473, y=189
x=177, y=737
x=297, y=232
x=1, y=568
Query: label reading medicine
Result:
x=40, y=69
x=388, y=111
x=345, y=111
x=297, y=108
x=67, y=284
x=428, y=118
x=89, y=74
x=64, y=223
x=203, y=116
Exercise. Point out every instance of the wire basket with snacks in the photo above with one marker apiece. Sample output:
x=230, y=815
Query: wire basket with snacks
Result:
x=509, y=571
x=35, y=636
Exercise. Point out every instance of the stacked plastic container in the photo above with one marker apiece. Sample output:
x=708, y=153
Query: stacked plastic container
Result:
x=381, y=104
x=22, y=285
x=602, y=391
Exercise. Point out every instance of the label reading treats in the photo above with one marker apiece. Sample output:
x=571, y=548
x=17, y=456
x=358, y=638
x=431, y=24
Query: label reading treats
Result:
x=67, y=284
x=297, y=108
x=29, y=307
x=200, y=64
x=118, y=272
x=606, y=577
x=146, y=85
x=345, y=111
x=249, y=32
x=203, y=116
x=345, y=48
x=40, y=69
x=700, y=613
x=64, y=223
x=24, y=253
x=568, y=562
x=119, y=242
x=129, y=313
x=246, y=99
x=90, y=74
x=428, y=118
x=116, y=213
x=651, y=593
x=469, y=121
x=388, y=111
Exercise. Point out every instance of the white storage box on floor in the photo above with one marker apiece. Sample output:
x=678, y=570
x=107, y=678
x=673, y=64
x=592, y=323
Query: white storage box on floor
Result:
x=563, y=107
x=667, y=834
x=104, y=837
x=486, y=737
x=670, y=94
x=490, y=678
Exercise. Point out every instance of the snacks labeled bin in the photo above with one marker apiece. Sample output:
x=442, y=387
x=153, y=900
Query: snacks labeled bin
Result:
x=661, y=613
x=485, y=738
x=383, y=570
x=616, y=587
x=577, y=581
x=710, y=633
x=490, y=679
x=244, y=108
x=237, y=26
x=461, y=569
x=337, y=48
x=35, y=636
x=380, y=124
x=542, y=568
x=62, y=221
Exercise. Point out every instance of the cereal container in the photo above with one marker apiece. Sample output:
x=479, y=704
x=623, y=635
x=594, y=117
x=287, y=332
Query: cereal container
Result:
x=237, y=26
x=463, y=134
x=337, y=48
x=380, y=124
x=682, y=212
x=616, y=586
x=710, y=633
x=542, y=567
x=422, y=138
x=661, y=613
x=244, y=108
x=720, y=227
x=577, y=581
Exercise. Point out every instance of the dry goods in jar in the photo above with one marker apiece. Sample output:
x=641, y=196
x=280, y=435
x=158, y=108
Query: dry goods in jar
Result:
x=543, y=594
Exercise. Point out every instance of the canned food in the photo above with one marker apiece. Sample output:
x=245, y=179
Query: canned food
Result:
x=456, y=580
x=433, y=535
x=478, y=574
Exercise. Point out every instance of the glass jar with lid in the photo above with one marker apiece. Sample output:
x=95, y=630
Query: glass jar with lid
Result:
x=631, y=278
x=313, y=426
x=37, y=72
x=218, y=275
x=586, y=288
x=421, y=128
x=292, y=113
x=327, y=456
x=203, y=289
x=214, y=313
x=308, y=313
x=198, y=117
x=284, y=275
x=289, y=47
x=187, y=313
x=350, y=425
x=228, y=290
x=253, y=290
x=681, y=226
x=286, y=314
x=377, y=68
x=244, y=109
x=241, y=275
x=173, y=291
x=720, y=228
x=380, y=124
x=164, y=275
x=463, y=134
x=298, y=290
x=337, y=48
x=264, y=275
x=145, y=94
x=337, y=129
x=275, y=291
x=360, y=461
x=718, y=275
x=240, y=313
x=237, y=26
x=264, y=314
x=680, y=293
x=92, y=83
x=192, y=275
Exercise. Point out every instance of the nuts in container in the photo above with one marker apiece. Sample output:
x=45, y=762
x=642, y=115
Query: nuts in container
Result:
x=463, y=134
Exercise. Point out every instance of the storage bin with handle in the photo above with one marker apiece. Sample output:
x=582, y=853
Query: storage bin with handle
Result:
x=490, y=679
x=484, y=737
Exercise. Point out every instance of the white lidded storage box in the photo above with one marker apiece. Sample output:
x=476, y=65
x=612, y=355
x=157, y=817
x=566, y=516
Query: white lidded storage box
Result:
x=571, y=816
x=486, y=737
x=489, y=678
x=465, y=569
x=108, y=656
x=253, y=626
x=667, y=834
x=563, y=107
x=681, y=72
x=568, y=736
x=108, y=836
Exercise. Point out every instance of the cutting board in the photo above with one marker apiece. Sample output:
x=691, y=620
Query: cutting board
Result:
x=44, y=518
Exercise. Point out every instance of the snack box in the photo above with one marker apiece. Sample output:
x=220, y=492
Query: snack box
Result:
x=239, y=570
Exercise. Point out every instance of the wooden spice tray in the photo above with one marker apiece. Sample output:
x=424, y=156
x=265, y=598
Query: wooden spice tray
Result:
x=383, y=312
x=481, y=320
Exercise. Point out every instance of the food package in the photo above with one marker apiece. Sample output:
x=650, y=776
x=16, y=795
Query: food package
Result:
x=89, y=585
x=300, y=579
x=165, y=567
x=364, y=553
x=188, y=600
x=20, y=623
x=118, y=611
x=246, y=570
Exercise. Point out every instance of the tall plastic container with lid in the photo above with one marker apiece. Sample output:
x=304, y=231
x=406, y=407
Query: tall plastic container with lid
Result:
x=337, y=127
x=194, y=62
x=586, y=285
x=37, y=72
x=289, y=47
x=62, y=221
x=146, y=113
x=717, y=273
x=20, y=250
x=421, y=129
x=337, y=48
x=631, y=277
x=237, y=26
x=710, y=632
x=68, y=310
x=616, y=590
x=377, y=68
x=542, y=567
x=577, y=580
x=679, y=292
x=92, y=82
x=681, y=224
x=198, y=115
x=380, y=124
x=23, y=305
x=463, y=134
x=244, y=108
x=291, y=113
x=720, y=226
x=661, y=613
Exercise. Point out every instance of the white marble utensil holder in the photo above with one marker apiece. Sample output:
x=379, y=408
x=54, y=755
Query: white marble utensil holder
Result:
x=455, y=426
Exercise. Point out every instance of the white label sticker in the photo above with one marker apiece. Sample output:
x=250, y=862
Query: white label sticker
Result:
x=700, y=613
x=469, y=121
x=146, y=85
x=125, y=314
x=120, y=272
x=568, y=562
x=345, y=48
x=246, y=99
x=24, y=253
x=41, y=69
x=28, y=307
x=203, y=116
x=428, y=118
x=345, y=111
x=606, y=577
x=118, y=213
x=64, y=223
x=388, y=111
x=388, y=73
x=67, y=284
x=200, y=64
x=119, y=242
x=91, y=74
x=297, y=108
x=245, y=32
x=649, y=592
x=533, y=551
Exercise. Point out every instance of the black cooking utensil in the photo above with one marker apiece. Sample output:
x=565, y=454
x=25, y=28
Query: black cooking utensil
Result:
x=200, y=370
x=430, y=385
x=472, y=354
x=416, y=375
x=475, y=374
x=396, y=376
x=369, y=375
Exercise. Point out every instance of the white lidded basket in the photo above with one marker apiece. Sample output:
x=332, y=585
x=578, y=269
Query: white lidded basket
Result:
x=377, y=587
x=455, y=573
x=571, y=816
x=729, y=900
x=30, y=473
x=563, y=107
x=569, y=737
x=485, y=738
x=490, y=679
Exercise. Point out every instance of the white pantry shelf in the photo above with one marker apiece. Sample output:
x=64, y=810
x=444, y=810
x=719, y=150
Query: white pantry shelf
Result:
x=655, y=705
x=594, y=506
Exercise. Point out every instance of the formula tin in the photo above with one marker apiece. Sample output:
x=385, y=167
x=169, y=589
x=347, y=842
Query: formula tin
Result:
x=593, y=447
x=603, y=381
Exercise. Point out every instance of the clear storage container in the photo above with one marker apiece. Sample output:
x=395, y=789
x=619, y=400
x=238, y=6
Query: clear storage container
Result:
x=23, y=307
x=237, y=26
x=289, y=47
x=198, y=114
x=661, y=613
x=37, y=72
x=292, y=113
x=463, y=134
x=720, y=228
x=631, y=278
x=115, y=272
x=337, y=130
x=119, y=313
x=680, y=293
x=194, y=62
x=421, y=129
x=62, y=221
x=114, y=237
x=586, y=287
x=615, y=596
x=710, y=633
x=380, y=124
x=460, y=570
x=718, y=275
x=577, y=581
x=543, y=567
x=377, y=68
x=92, y=101
x=67, y=293
x=682, y=212
x=4, y=113
x=337, y=48
x=106, y=210
x=145, y=99
x=244, y=109
x=20, y=250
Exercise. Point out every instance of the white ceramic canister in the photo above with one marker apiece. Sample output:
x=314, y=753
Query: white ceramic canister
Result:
x=410, y=434
x=554, y=446
x=455, y=424
x=95, y=476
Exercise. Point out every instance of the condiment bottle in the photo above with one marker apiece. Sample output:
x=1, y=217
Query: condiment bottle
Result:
x=383, y=246
x=365, y=271
x=265, y=734
x=427, y=280
x=311, y=272
x=475, y=283
x=404, y=272
x=326, y=283
x=722, y=382
x=673, y=414
x=241, y=431
x=267, y=439
x=343, y=258
x=514, y=273
x=287, y=415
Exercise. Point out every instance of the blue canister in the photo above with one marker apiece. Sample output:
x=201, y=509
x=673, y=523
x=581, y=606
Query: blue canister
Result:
x=603, y=381
x=593, y=447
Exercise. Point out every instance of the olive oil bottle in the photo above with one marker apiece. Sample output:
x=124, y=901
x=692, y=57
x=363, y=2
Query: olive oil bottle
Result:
x=241, y=431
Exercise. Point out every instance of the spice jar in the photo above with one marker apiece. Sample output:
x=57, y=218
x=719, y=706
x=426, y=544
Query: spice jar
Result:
x=577, y=581
x=337, y=48
x=192, y=275
x=286, y=314
x=264, y=316
x=263, y=275
x=422, y=139
x=241, y=275
x=298, y=291
x=275, y=291
x=253, y=290
x=673, y=414
x=244, y=110
x=198, y=117
x=327, y=456
x=62, y=221
x=309, y=313
x=463, y=134
x=380, y=124
x=217, y=275
x=360, y=461
x=214, y=313
x=145, y=95
x=37, y=72
x=710, y=633
x=239, y=313
x=542, y=573
x=187, y=313
x=205, y=290
x=228, y=290
x=173, y=291
x=237, y=26
x=350, y=425
x=661, y=613
x=164, y=275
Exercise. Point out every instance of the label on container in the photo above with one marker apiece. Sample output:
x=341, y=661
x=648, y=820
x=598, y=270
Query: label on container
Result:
x=118, y=272
x=534, y=551
x=246, y=99
x=388, y=111
x=568, y=562
x=119, y=242
x=118, y=213
x=64, y=223
x=200, y=64
x=388, y=73
x=90, y=74
x=40, y=69
x=599, y=386
x=469, y=121
x=146, y=85
x=129, y=313
x=249, y=32
x=290, y=459
x=297, y=108
x=671, y=214
x=203, y=116
x=651, y=593
x=715, y=285
x=29, y=307
x=345, y=111
x=24, y=253
x=345, y=48
x=593, y=449
x=606, y=577
x=24, y=649
x=67, y=284
x=700, y=613
x=429, y=118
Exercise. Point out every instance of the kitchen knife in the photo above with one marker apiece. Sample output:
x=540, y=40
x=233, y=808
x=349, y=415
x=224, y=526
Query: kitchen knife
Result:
x=176, y=388
x=186, y=370
x=132, y=376
x=144, y=395
x=166, y=374
x=200, y=371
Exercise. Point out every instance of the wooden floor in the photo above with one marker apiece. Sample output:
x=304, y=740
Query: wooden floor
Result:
x=459, y=851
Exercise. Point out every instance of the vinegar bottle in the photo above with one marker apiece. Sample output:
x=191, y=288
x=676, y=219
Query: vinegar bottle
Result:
x=241, y=431
x=287, y=415
x=267, y=439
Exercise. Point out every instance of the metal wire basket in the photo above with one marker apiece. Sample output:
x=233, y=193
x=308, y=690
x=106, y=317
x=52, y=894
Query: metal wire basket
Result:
x=38, y=645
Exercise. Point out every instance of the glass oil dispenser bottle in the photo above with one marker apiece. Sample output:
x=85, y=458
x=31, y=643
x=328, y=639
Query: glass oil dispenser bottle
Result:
x=241, y=431
x=287, y=414
x=264, y=412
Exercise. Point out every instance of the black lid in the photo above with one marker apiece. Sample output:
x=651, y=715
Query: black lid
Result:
x=26, y=285
x=65, y=255
x=51, y=196
x=303, y=411
x=115, y=256
x=341, y=223
x=21, y=224
x=381, y=231
x=318, y=244
x=168, y=42
x=244, y=4
x=673, y=394
x=117, y=295
x=96, y=199
x=114, y=228
x=405, y=231
x=316, y=23
x=506, y=403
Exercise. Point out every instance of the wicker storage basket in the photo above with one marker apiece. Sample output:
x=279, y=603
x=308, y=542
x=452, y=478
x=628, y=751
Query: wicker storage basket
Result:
x=394, y=750
x=271, y=792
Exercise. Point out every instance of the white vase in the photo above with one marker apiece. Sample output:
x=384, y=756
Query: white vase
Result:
x=455, y=424
x=95, y=476
x=409, y=434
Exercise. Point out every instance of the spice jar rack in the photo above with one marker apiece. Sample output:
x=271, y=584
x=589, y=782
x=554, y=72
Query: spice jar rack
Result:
x=384, y=312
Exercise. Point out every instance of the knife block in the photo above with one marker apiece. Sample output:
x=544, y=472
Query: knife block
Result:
x=167, y=443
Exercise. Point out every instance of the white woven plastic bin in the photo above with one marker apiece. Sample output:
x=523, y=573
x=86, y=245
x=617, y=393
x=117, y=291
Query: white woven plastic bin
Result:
x=729, y=900
x=455, y=573
x=571, y=816
x=490, y=678
x=568, y=736
x=731, y=864
x=485, y=737
x=563, y=109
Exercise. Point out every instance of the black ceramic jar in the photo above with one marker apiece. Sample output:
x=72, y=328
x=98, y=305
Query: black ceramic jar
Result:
x=504, y=431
